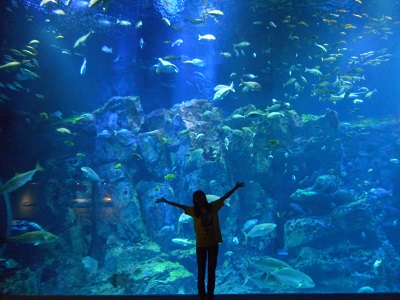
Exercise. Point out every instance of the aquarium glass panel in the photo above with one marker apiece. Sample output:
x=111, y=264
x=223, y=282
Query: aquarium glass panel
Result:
x=283, y=113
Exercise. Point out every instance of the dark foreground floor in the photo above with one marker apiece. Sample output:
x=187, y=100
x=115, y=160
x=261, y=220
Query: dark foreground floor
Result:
x=222, y=297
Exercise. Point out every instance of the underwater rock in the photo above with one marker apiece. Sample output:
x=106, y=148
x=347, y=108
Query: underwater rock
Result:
x=323, y=196
x=315, y=232
x=160, y=118
x=156, y=216
x=152, y=149
x=121, y=113
x=327, y=184
x=358, y=223
x=327, y=125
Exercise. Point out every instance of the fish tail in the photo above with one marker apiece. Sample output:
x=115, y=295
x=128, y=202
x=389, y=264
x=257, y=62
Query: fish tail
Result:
x=199, y=37
x=232, y=87
x=245, y=236
x=39, y=167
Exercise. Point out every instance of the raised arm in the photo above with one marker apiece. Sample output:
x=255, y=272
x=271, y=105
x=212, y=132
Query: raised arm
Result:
x=163, y=200
x=228, y=194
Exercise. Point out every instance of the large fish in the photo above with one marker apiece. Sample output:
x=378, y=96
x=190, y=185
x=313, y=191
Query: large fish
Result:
x=19, y=180
x=90, y=173
x=33, y=237
x=260, y=230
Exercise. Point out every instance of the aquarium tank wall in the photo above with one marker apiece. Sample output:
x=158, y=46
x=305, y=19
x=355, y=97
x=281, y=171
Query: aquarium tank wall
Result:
x=108, y=105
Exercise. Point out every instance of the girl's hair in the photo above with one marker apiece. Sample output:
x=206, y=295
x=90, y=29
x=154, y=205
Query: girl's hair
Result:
x=197, y=208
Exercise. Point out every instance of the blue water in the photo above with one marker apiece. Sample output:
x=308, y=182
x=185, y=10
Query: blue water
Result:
x=352, y=44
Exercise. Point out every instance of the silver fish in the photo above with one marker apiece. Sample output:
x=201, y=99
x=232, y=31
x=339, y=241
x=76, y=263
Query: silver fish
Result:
x=19, y=180
x=90, y=173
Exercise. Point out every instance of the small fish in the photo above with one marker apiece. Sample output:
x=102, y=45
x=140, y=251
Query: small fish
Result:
x=123, y=22
x=141, y=43
x=59, y=12
x=45, y=2
x=82, y=39
x=166, y=21
x=320, y=46
x=139, y=24
x=183, y=242
x=315, y=72
x=64, y=130
x=195, y=21
x=177, y=43
x=207, y=37
x=106, y=49
x=215, y=12
x=83, y=67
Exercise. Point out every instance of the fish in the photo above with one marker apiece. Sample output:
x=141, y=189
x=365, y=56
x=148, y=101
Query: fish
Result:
x=315, y=72
x=90, y=264
x=195, y=61
x=250, y=224
x=93, y=2
x=293, y=278
x=106, y=49
x=250, y=86
x=296, y=207
x=11, y=66
x=166, y=229
x=195, y=154
x=166, y=21
x=250, y=76
x=90, y=173
x=83, y=67
x=215, y=12
x=19, y=180
x=194, y=21
x=64, y=130
x=104, y=133
x=269, y=265
x=178, y=42
x=241, y=45
x=139, y=24
x=25, y=225
x=33, y=237
x=365, y=289
x=123, y=22
x=141, y=43
x=83, y=39
x=212, y=198
x=183, y=242
x=260, y=230
x=320, y=46
x=222, y=91
x=45, y=2
x=184, y=218
x=225, y=54
x=33, y=42
x=207, y=37
x=59, y=12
